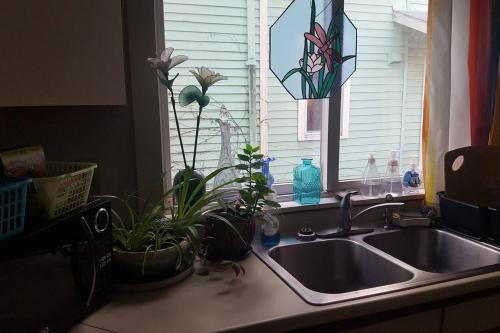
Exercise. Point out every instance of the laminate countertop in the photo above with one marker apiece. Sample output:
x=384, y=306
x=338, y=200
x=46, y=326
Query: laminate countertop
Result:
x=256, y=302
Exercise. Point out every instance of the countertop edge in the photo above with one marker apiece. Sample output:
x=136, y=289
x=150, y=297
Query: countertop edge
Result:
x=306, y=315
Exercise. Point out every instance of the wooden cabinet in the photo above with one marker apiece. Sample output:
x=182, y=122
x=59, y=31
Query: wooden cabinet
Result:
x=60, y=52
x=473, y=316
x=423, y=322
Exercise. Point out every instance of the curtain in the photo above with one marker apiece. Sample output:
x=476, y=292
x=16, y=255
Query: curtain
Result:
x=461, y=90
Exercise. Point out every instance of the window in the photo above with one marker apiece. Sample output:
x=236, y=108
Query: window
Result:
x=380, y=105
x=310, y=114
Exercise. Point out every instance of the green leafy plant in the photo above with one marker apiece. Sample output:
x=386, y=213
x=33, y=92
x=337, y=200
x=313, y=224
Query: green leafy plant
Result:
x=254, y=191
x=157, y=226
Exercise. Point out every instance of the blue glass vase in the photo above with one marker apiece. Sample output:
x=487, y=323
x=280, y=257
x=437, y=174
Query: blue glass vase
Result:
x=306, y=183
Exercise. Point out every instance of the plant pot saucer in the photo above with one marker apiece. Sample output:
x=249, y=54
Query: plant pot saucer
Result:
x=154, y=285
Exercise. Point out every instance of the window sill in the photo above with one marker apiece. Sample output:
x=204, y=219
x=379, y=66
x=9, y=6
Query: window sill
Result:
x=329, y=201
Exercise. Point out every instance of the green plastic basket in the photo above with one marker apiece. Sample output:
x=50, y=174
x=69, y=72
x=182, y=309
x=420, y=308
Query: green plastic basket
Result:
x=65, y=189
x=12, y=205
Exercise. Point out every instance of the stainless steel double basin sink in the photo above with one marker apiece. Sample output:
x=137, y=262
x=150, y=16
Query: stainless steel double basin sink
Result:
x=335, y=270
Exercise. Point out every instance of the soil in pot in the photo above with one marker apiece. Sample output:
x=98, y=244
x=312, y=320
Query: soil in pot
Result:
x=224, y=244
x=128, y=266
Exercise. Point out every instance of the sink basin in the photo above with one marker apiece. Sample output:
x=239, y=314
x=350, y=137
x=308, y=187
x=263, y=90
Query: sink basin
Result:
x=337, y=266
x=433, y=250
x=340, y=269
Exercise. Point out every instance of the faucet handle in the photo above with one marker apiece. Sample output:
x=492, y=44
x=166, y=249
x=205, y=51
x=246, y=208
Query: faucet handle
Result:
x=352, y=192
x=347, y=194
x=345, y=202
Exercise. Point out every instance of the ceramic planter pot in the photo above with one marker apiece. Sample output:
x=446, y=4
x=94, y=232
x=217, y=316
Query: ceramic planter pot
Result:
x=196, y=179
x=128, y=266
x=224, y=244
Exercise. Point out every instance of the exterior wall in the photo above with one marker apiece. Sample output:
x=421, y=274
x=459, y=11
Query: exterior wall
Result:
x=212, y=34
x=385, y=103
x=283, y=117
x=417, y=5
x=383, y=108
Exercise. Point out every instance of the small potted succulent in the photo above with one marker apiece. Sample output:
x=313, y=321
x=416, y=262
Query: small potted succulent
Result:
x=223, y=244
x=159, y=242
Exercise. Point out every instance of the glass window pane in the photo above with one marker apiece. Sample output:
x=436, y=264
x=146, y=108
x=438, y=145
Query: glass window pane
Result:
x=382, y=108
x=314, y=114
x=216, y=35
x=386, y=92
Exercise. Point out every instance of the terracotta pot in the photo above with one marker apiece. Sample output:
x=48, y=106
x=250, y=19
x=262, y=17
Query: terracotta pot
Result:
x=128, y=266
x=224, y=244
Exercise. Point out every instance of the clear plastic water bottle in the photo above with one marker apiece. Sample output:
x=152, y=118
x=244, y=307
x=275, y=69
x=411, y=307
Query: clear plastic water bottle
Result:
x=371, y=183
x=306, y=183
x=392, y=180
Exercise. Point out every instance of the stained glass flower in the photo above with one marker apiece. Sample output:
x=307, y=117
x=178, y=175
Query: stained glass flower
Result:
x=314, y=63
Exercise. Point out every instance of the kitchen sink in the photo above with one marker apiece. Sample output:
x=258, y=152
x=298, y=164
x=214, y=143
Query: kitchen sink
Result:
x=434, y=250
x=337, y=266
x=384, y=261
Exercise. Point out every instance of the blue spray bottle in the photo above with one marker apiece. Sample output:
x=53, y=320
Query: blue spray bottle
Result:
x=270, y=234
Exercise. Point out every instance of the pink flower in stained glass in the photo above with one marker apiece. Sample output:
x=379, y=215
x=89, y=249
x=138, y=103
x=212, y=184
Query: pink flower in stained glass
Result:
x=324, y=46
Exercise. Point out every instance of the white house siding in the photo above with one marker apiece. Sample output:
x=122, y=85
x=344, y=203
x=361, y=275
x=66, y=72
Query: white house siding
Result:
x=377, y=88
x=283, y=111
x=417, y=5
x=213, y=33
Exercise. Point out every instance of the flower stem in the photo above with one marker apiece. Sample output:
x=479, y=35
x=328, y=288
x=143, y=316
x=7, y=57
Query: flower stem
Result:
x=196, y=138
x=172, y=100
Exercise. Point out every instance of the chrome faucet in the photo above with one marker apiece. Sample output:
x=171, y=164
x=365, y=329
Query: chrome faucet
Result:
x=345, y=211
x=346, y=218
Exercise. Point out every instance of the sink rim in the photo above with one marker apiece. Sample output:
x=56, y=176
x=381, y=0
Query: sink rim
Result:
x=420, y=278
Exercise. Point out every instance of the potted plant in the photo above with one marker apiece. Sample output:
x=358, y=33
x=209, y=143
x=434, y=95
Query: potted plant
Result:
x=159, y=242
x=244, y=212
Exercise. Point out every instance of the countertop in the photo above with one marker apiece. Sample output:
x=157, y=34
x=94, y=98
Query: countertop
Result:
x=256, y=302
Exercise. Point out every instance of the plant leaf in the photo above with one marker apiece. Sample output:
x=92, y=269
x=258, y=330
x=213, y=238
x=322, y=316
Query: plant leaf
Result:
x=257, y=156
x=188, y=95
x=348, y=57
x=272, y=203
x=243, y=157
x=203, y=101
x=305, y=76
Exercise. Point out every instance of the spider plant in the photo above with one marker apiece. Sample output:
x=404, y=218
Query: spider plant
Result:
x=157, y=226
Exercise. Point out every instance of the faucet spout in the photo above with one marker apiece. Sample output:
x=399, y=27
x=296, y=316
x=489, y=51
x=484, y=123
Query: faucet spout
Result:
x=345, y=224
x=346, y=216
x=383, y=205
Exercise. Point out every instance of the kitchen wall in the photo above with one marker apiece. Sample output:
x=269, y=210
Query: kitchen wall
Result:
x=104, y=135
x=124, y=140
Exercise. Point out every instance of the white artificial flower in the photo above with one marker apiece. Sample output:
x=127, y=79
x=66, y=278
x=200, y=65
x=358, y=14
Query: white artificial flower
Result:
x=207, y=77
x=314, y=63
x=166, y=62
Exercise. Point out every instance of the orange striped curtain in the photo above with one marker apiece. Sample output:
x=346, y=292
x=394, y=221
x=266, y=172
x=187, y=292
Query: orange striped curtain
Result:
x=461, y=91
